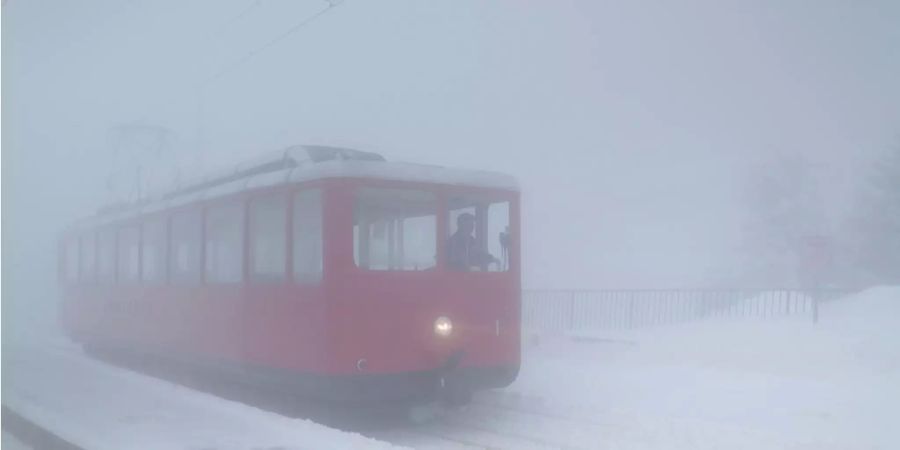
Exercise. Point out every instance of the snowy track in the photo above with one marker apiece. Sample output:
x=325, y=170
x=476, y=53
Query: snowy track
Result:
x=494, y=421
x=474, y=429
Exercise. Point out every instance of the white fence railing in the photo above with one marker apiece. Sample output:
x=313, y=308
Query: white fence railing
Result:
x=568, y=310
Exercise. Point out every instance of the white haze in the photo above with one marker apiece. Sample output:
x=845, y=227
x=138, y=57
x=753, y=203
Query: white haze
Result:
x=630, y=125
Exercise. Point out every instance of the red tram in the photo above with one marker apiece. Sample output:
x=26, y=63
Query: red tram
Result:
x=320, y=270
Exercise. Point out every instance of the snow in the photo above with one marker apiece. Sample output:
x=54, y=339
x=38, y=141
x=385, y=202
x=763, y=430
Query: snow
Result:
x=778, y=383
x=781, y=383
x=98, y=406
x=9, y=442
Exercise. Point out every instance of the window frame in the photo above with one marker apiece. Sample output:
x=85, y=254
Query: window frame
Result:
x=108, y=232
x=484, y=201
x=397, y=238
x=240, y=203
x=131, y=226
x=306, y=278
x=195, y=277
x=249, y=260
x=68, y=276
x=83, y=277
x=443, y=193
x=163, y=273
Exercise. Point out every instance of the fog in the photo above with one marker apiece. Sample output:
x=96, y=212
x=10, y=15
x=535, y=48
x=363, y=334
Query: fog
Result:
x=638, y=130
x=629, y=126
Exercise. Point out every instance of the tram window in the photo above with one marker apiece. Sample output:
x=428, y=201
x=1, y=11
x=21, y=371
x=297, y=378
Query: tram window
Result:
x=88, y=257
x=307, y=236
x=184, y=247
x=395, y=229
x=153, y=251
x=498, y=236
x=106, y=257
x=224, y=243
x=129, y=239
x=479, y=234
x=72, y=260
x=268, y=238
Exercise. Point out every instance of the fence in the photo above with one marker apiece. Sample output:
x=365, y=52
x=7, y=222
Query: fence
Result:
x=567, y=310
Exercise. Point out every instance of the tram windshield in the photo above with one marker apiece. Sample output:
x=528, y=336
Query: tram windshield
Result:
x=395, y=229
x=478, y=237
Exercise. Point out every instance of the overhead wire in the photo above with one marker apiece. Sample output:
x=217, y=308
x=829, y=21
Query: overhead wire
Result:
x=253, y=53
x=239, y=17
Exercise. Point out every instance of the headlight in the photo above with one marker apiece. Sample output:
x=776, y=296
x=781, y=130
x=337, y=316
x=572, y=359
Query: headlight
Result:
x=443, y=326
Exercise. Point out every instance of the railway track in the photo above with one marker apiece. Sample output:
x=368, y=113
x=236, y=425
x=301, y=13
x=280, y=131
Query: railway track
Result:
x=491, y=424
x=547, y=412
x=462, y=436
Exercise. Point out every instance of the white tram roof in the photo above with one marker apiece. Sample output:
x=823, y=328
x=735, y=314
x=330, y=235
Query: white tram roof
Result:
x=298, y=164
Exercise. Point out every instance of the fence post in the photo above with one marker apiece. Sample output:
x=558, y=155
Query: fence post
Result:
x=815, y=307
x=631, y=312
x=572, y=312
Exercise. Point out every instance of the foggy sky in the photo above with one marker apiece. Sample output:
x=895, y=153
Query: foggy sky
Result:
x=629, y=124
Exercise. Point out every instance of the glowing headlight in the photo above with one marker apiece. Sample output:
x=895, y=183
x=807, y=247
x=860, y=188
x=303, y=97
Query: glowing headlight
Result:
x=443, y=326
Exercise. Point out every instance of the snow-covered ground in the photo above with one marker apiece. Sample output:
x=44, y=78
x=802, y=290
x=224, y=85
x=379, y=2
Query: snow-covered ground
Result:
x=97, y=406
x=715, y=384
x=733, y=384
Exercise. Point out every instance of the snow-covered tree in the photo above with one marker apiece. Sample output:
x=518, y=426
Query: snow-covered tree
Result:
x=785, y=213
x=877, y=221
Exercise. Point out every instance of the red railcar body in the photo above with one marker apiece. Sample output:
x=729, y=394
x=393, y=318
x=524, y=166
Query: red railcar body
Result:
x=330, y=278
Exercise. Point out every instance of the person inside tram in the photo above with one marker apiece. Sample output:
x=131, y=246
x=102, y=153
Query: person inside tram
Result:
x=463, y=252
